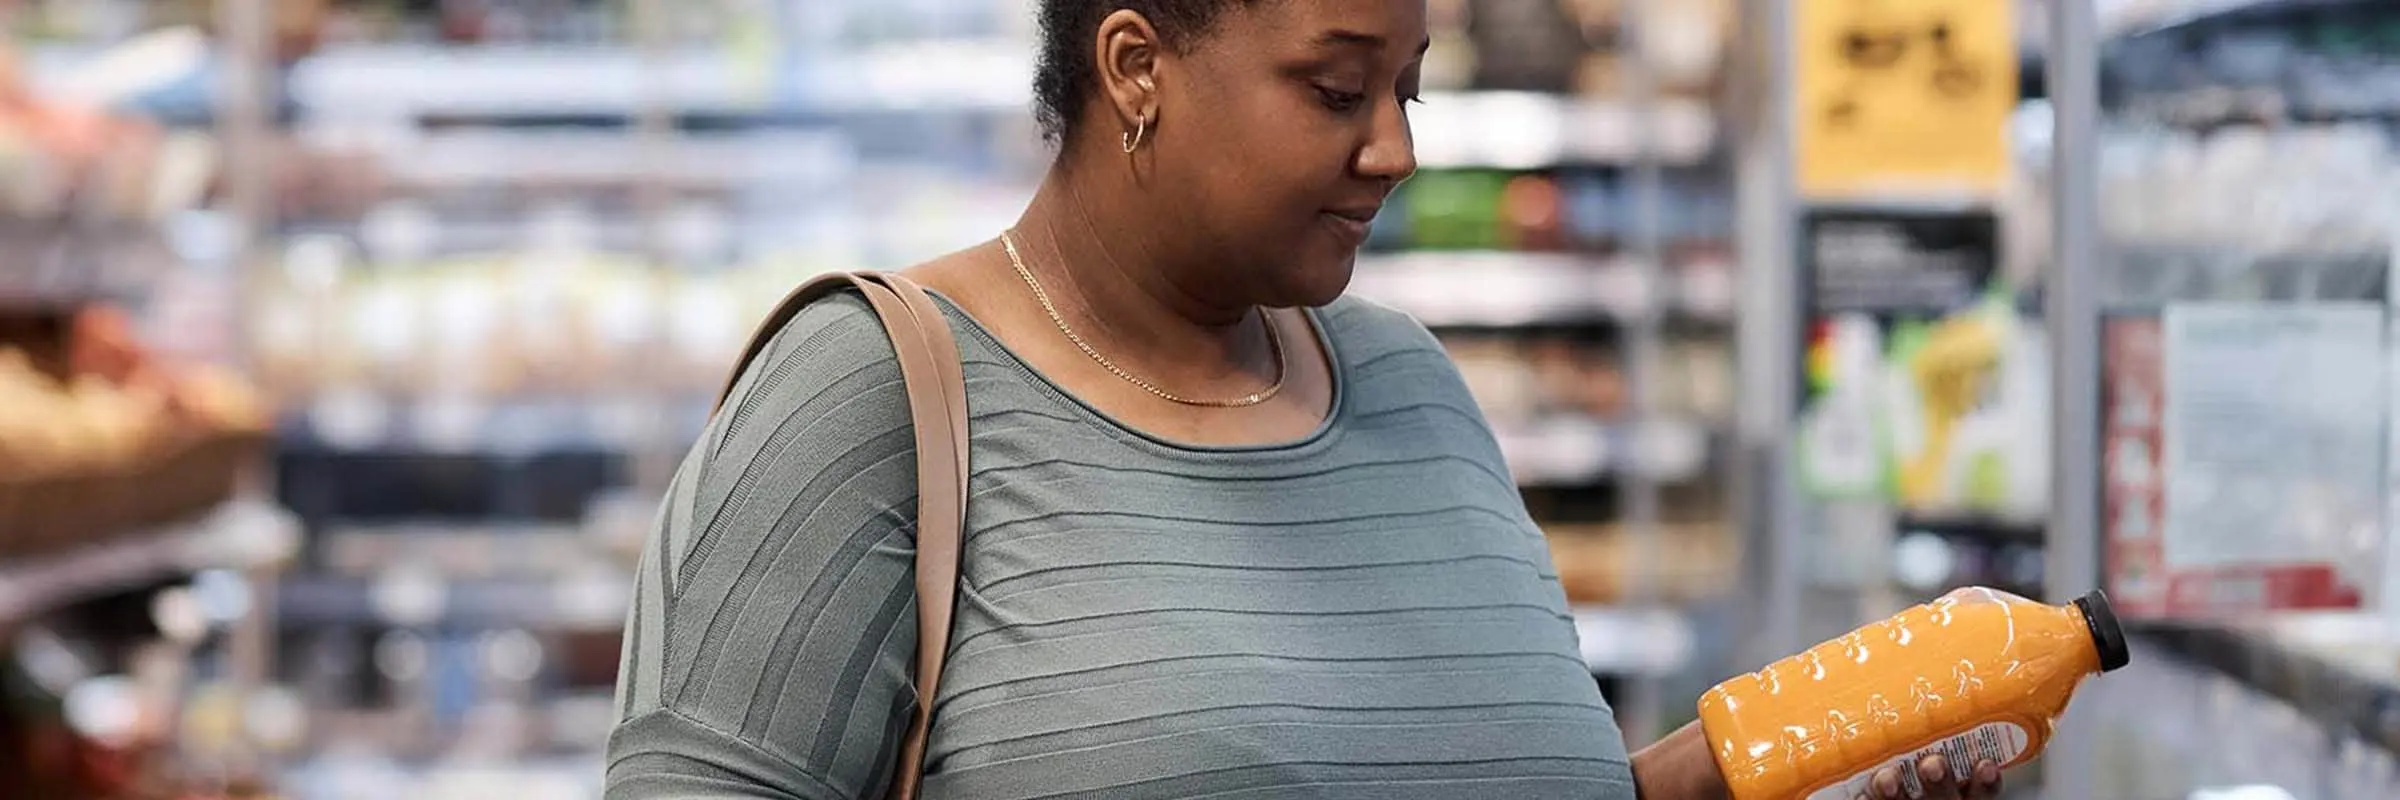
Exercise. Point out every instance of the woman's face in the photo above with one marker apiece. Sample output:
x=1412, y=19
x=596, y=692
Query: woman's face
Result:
x=1281, y=132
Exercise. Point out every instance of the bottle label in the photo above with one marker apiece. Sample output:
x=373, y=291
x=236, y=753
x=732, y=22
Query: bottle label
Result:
x=1997, y=742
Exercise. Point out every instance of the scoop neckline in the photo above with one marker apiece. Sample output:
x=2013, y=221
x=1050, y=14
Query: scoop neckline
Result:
x=1340, y=376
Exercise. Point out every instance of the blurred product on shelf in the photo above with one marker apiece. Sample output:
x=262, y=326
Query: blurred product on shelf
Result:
x=1930, y=413
x=86, y=192
x=1557, y=405
x=1974, y=383
x=103, y=437
x=1499, y=291
x=1529, y=376
x=506, y=324
x=1686, y=563
x=1582, y=210
x=2218, y=62
x=67, y=151
x=2331, y=185
x=104, y=700
x=1587, y=47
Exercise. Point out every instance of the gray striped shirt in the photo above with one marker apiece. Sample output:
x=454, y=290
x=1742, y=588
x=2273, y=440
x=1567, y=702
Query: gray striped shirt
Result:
x=1365, y=613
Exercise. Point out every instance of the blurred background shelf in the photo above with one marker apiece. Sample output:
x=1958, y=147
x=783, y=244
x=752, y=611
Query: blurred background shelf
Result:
x=1501, y=290
x=1570, y=451
x=497, y=81
x=360, y=422
x=54, y=265
x=1983, y=528
x=2347, y=681
x=1493, y=129
x=239, y=535
x=1645, y=642
x=591, y=606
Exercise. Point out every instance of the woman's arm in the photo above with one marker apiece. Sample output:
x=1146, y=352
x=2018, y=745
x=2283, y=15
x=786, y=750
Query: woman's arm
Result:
x=1678, y=768
x=769, y=650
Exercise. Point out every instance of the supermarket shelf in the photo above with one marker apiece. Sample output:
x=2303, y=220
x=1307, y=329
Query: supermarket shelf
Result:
x=1581, y=451
x=1498, y=289
x=239, y=534
x=1526, y=130
x=1634, y=642
x=2194, y=15
x=1975, y=528
x=366, y=422
x=460, y=551
x=399, y=81
x=2173, y=728
x=353, y=774
x=2200, y=66
x=422, y=597
x=2355, y=689
x=2130, y=18
x=552, y=158
x=1501, y=130
x=54, y=262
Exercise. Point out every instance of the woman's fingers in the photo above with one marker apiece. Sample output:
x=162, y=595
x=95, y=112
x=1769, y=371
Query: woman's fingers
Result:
x=1987, y=781
x=1933, y=775
x=1886, y=784
x=1934, y=771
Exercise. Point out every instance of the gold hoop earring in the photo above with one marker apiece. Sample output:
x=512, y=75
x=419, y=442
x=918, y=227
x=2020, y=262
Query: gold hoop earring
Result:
x=1141, y=130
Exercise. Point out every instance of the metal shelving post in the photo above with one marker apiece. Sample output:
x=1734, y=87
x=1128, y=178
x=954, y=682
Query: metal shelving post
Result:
x=1771, y=509
x=2073, y=313
x=245, y=125
x=1641, y=703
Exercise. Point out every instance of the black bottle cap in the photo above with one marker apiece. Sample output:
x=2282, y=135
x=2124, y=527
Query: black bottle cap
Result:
x=2107, y=635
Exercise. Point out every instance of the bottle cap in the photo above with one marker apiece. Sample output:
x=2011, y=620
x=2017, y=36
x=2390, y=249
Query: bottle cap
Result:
x=2107, y=635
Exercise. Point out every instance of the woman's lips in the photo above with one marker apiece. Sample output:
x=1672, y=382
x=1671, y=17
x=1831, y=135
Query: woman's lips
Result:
x=1352, y=226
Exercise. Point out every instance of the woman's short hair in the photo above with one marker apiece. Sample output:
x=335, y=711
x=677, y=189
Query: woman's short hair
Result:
x=1064, y=74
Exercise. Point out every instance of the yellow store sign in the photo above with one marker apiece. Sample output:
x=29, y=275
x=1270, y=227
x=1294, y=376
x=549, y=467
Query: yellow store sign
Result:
x=1903, y=97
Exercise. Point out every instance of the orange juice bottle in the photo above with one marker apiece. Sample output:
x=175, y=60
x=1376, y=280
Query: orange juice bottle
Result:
x=1979, y=675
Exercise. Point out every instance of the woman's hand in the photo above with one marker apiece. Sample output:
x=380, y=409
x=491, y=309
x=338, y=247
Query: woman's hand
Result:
x=1933, y=773
x=1679, y=768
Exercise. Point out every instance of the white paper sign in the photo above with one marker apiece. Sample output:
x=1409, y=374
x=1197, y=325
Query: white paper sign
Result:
x=2274, y=434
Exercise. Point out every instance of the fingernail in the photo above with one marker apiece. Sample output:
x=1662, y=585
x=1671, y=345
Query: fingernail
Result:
x=1987, y=774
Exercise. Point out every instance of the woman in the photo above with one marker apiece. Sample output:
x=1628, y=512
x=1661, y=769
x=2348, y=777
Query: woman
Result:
x=1231, y=534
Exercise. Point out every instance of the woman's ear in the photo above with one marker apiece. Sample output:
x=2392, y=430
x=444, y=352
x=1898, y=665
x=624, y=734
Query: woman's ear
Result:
x=1128, y=56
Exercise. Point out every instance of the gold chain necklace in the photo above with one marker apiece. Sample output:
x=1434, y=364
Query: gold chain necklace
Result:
x=1275, y=339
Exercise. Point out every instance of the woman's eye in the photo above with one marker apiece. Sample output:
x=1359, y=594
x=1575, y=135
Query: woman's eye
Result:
x=1341, y=101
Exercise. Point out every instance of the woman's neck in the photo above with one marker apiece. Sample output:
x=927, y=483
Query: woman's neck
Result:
x=1115, y=276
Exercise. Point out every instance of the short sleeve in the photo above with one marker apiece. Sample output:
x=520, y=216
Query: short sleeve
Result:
x=768, y=648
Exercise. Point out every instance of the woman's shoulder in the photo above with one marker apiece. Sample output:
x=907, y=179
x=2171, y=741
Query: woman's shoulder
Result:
x=1366, y=333
x=838, y=331
x=831, y=357
x=1371, y=323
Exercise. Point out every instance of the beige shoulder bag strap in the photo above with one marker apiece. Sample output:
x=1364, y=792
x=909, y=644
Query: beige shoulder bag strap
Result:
x=937, y=403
